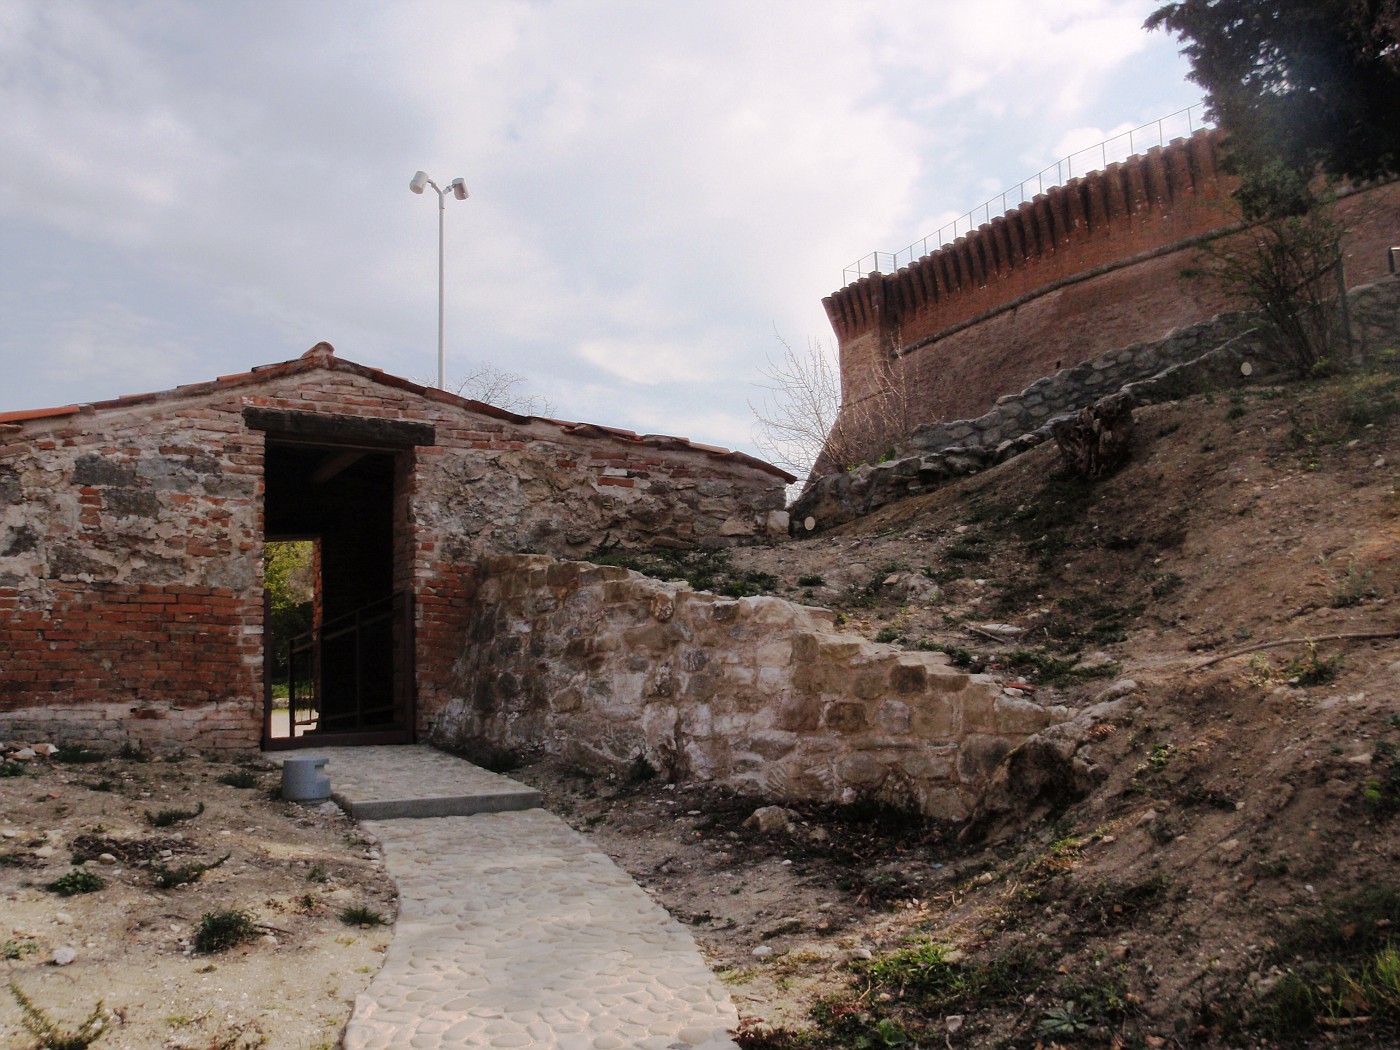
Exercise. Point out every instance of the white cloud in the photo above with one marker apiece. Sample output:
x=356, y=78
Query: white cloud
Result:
x=654, y=187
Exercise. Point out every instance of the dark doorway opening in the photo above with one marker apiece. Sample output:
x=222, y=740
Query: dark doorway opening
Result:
x=350, y=675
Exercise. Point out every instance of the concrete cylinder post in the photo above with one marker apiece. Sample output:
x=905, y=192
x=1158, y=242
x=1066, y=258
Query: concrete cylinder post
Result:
x=304, y=779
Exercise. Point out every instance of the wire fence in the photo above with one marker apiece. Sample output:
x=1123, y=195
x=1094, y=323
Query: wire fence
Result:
x=1182, y=123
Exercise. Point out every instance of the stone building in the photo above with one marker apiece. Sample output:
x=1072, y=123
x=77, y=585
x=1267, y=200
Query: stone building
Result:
x=132, y=534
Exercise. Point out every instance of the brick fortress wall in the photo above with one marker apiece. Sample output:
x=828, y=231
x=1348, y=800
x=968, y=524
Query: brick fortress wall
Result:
x=1085, y=268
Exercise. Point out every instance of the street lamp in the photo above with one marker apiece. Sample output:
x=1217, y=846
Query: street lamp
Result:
x=458, y=189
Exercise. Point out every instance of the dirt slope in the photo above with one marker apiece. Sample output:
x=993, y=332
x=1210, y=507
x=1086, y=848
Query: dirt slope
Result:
x=1231, y=876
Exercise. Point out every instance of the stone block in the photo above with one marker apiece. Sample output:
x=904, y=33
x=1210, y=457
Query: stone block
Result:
x=799, y=713
x=908, y=676
x=948, y=804
x=772, y=744
x=737, y=525
x=845, y=717
x=866, y=684
x=862, y=771
x=979, y=704
x=931, y=763
x=893, y=716
x=979, y=756
x=935, y=718
x=773, y=679
x=1015, y=716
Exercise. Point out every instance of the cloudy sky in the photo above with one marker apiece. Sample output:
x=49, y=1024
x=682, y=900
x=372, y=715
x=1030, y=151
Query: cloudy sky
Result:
x=658, y=189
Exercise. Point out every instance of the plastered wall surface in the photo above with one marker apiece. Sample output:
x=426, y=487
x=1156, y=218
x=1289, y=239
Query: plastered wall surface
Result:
x=604, y=665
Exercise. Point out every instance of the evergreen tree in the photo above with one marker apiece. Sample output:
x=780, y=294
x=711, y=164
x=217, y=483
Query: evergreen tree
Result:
x=1300, y=86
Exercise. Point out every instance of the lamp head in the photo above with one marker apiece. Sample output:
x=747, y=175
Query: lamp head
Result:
x=419, y=180
x=459, y=189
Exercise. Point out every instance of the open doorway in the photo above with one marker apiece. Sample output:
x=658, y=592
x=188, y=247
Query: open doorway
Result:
x=291, y=573
x=339, y=622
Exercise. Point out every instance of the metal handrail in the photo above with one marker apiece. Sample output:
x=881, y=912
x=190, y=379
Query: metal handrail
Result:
x=1093, y=158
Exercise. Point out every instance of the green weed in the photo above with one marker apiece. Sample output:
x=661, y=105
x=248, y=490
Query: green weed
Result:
x=358, y=915
x=47, y=1033
x=1352, y=588
x=76, y=881
x=168, y=817
x=219, y=931
x=76, y=754
x=165, y=878
x=1043, y=668
x=133, y=753
x=240, y=778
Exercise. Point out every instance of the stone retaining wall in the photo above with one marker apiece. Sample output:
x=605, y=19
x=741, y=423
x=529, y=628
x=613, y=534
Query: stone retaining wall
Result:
x=604, y=665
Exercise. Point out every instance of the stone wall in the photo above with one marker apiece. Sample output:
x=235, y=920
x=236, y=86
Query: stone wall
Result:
x=1087, y=267
x=1187, y=359
x=131, y=537
x=604, y=665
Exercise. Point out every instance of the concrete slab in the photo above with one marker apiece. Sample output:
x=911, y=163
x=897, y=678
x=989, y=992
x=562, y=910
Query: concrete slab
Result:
x=386, y=782
x=513, y=929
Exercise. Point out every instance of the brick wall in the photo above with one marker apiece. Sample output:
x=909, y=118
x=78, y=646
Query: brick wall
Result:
x=1087, y=267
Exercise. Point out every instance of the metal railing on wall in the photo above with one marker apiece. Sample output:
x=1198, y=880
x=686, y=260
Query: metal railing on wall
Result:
x=1182, y=123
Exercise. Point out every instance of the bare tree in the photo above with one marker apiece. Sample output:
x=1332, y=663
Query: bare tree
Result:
x=801, y=422
x=1287, y=270
x=496, y=386
x=800, y=405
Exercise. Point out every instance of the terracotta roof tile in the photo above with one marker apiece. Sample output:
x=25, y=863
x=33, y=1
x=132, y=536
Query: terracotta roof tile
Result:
x=322, y=355
x=39, y=413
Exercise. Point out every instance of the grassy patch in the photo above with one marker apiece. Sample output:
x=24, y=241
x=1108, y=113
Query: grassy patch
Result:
x=1341, y=972
x=705, y=570
x=1342, y=410
x=1045, y=668
x=240, y=778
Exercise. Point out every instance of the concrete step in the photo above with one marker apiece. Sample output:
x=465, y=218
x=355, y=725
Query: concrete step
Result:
x=384, y=782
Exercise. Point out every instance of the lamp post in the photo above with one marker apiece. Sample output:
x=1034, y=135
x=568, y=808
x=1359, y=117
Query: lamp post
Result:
x=458, y=189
